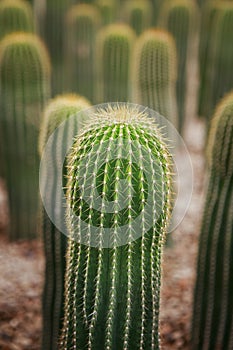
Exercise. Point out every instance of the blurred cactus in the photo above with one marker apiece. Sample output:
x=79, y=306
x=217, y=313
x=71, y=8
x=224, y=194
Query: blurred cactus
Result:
x=112, y=291
x=180, y=18
x=108, y=10
x=82, y=23
x=138, y=14
x=58, y=110
x=212, y=327
x=154, y=73
x=114, y=44
x=156, y=4
x=15, y=15
x=216, y=55
x=25, y=87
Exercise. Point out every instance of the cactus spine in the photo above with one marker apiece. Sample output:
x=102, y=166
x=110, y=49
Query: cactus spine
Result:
x=216, y=73
x=57, y=111
x=179, y=17
x=114, y=45
x=25, y=87
x=154, y=73
x=138, y=14
x=15, y=15
x=112, y=294
x=82, y=23
x=212, y=327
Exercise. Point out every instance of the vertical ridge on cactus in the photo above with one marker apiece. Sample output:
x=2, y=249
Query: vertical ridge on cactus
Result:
x=25, y=87
x=179, y=17
x=82, y=23
x=112, y=290
x=154, y=73
x=59, y=109
x=213, y=308
x=15, y=16
x=114, y=44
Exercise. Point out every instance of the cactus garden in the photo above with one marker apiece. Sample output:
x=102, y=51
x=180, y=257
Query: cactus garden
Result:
x=116, y=175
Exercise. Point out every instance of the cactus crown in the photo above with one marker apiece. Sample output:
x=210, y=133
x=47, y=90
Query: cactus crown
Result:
x=23, y=60
x=15, y=15
x=220, y=150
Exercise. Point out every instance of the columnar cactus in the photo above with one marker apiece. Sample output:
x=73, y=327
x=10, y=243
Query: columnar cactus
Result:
x=25, y=87
x=138, y=14
x=58, y=110
x=112, y=284
x=114, y=44
x=216, y=55
x=156, y=4
x=82, y=23
x=212, y=327
x=179, y=17
x=108, y=10
x=154, y=73
x=15, y=15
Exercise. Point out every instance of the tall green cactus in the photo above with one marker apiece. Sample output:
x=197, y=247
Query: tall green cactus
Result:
x=25, y=87
x=82, y=23
x=154, y=73
x=114, y=44
x=217, y=55
x=108, y=10
x=180, y=18
x=112, y=285
x=138, y=14
x=15, y=15
x=58, y=110
x=212, y=327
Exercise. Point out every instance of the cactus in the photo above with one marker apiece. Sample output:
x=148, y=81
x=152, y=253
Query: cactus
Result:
x=213, y=308
x=154, y=73
x=57, y=111
x=138, y=14
x=112, y=289
x=15, y=15
x=114, y=45
x=25, y=87
x=179, y=17
x=108, y=9
x=156, y=4
x=216, y=73
x=82, y=23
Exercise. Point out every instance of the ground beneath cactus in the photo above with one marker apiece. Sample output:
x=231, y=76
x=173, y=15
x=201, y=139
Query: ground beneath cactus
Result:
x=21, y=267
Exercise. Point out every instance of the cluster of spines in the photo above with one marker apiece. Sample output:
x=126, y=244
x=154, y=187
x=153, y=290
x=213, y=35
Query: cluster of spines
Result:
x=64, y=108
x=154, y=73
x=212, y=326
x=82, y=23
x=15, y=15
x=25, y=88
x=112, y=294
x=179, y=17
x=114, y=45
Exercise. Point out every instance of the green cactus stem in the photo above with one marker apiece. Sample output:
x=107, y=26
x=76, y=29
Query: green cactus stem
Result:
x=25, y=88
x=82, y=23
x=57, y=111
x=212, y=326
x=154, y=73
x=15, y=15
x=112, y=290
x=114, y=44
x=180, y=18
x=108, y=10
x=138, y=14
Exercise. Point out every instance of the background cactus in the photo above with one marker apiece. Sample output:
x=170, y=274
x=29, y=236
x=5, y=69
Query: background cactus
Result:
x=217, y=55
x=138, y=14
x=112, y=294
x=114, y=45
x=57, y=111
x=154, y=73
x=179, y=17
x=15, y=15
x=213, y=308
x=82, y=23
x=25, y=87
x=108, y=10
